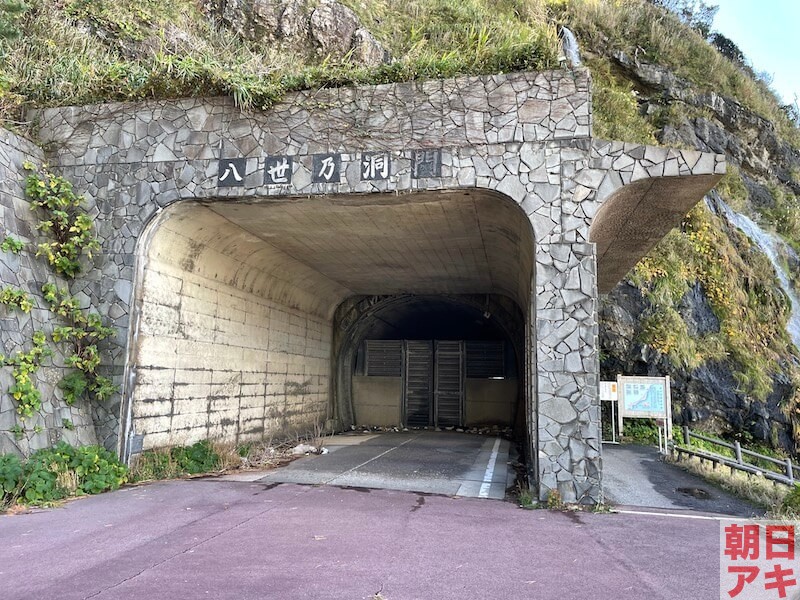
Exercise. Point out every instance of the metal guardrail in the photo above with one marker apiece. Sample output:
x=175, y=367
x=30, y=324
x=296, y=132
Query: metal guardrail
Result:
x=785, y=476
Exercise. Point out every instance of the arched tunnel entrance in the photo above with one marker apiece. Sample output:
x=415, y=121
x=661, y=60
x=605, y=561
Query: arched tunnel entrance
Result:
x=261, y=318
x=430, y=360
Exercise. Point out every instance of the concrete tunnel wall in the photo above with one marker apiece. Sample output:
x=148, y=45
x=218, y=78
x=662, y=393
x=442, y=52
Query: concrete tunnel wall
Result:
x=377, y=401
x=235, y=337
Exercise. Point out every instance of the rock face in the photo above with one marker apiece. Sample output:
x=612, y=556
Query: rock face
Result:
x=748, y=140
x=329, y=29
x=708, y=395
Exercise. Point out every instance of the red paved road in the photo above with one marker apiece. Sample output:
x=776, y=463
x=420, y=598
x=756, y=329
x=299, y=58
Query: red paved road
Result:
x=213, y=539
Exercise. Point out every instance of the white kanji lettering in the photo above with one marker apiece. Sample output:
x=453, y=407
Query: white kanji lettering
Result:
x=231, y=170
x=327, y=168
x=375, y=166
x=278, y=171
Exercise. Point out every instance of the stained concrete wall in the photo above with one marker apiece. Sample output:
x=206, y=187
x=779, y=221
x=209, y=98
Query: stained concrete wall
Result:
x=377, y=401
x=221, y=352
x=491, y=401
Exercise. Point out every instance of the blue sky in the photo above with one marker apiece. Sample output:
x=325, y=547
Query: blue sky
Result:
x=768, y=32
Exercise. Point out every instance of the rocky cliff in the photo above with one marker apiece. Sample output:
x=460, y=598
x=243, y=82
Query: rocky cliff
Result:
x=710, y=306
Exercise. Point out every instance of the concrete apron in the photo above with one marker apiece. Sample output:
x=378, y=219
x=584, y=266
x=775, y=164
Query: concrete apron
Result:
x=449, y=463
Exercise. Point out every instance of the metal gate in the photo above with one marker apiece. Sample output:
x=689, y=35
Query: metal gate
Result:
x=449, y=384
x=417, y=383
x=433, y=383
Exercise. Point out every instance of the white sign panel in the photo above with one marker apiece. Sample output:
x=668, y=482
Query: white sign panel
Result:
x=608, y=391
x=644, y=397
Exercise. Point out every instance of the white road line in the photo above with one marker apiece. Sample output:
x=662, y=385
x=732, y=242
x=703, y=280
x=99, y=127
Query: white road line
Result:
x=677, y=516
x=487, y=476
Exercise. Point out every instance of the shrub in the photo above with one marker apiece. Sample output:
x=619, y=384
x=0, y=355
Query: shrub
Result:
x=164, y=463
x=791, y=502
x=10, y=472
x=197, y=458
x=55, y=473
x=154, y=464
x=616, y=108
x=554, y=501
x=640, y=431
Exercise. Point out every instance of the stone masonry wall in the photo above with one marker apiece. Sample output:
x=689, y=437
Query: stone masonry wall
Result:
x=525, y=135
x=55, y=421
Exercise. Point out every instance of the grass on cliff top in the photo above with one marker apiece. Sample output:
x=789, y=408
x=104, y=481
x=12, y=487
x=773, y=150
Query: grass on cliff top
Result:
x=651, y=34
x=75, y=52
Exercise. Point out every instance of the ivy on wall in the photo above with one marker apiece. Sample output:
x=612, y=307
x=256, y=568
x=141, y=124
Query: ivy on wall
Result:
x=70, y=230
x=25, y=364
x=82, y=332
x=65, y=221
x=14, y=297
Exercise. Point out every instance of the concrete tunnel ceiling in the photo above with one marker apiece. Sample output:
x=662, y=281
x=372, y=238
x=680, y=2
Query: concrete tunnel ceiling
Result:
x=638, y=216
x=327, y=249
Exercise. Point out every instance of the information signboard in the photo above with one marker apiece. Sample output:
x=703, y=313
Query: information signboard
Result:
x=608, y=391
x=644, y=397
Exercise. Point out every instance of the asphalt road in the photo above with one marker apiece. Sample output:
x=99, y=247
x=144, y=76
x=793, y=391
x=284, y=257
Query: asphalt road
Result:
x=248, y=540
x=636, y=476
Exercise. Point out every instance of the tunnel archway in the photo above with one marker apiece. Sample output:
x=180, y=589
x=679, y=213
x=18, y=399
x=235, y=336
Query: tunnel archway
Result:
x=240, y=304
x=375, y=337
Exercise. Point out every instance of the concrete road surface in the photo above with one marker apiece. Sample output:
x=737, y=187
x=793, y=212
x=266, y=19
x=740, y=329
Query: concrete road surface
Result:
x=636, y=476
x=248, y=540
x=444, y=462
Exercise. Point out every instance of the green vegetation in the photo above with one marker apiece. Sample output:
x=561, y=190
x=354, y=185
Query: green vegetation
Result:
x=526, y=498
x=82, y=333
x=12, y=244
x=554, y=501
x=10, y=13
x=745, y=440
x=784, y=214
x=56, y=473
x=179, y=461
x=10, y=474
x=758, y=490
x=25, y=365
x=72, y=233
x=16, y=298
x=732, y=188
x=646, y=32
x=66, y=222
x=615, y=106
x=740, y=287
x=156, y=49
x=640, y=431
x=791, y=502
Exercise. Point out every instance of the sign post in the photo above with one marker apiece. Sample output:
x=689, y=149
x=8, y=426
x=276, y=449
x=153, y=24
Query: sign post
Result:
x=609, y=393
